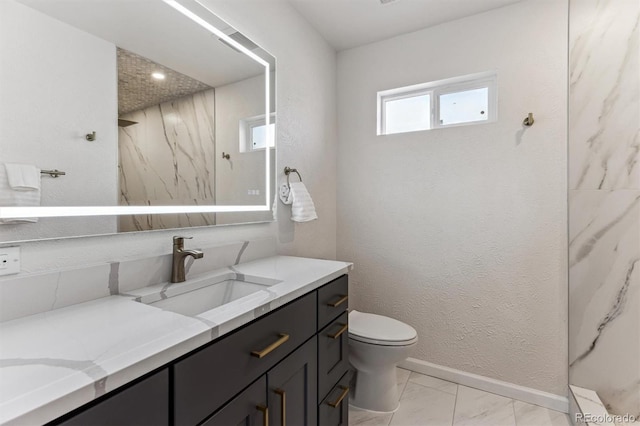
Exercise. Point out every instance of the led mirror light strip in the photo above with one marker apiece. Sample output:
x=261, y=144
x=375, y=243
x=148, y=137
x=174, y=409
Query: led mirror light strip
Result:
x=38, y=212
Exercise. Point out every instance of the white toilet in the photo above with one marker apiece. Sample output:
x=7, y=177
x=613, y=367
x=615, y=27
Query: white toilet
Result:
x=376, y=345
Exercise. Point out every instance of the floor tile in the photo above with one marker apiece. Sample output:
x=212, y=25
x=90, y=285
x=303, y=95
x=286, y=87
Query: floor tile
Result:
x=403, y=376
x=432, y=382
x=533, y=415
x=368, y=418
x=479, y=408
x=423, y=406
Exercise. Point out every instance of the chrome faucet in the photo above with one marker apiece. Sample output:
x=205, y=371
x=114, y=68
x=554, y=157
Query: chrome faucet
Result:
x=179, y=255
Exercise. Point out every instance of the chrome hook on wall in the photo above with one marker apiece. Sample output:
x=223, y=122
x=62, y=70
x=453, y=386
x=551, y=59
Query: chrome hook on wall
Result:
x=528, y=121
x=90, y=136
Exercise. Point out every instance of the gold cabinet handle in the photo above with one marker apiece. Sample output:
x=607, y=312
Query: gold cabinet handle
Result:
x=265, y=414
x=266, y=351
x=344, y=328
x=338, y=302
x=345, y=391
x=283, y=405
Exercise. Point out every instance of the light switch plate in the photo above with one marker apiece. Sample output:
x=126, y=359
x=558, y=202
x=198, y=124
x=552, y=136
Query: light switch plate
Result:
x=9, y=260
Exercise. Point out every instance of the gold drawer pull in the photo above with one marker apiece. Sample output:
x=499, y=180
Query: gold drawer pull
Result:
x=265, y=414
x=266, y=351
x=339, y=302
x=345, y=391
x=344, y=328
x=283, y=405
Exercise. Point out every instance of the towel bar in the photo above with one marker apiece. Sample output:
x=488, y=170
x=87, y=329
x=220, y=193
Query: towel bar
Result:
x=287, y=171
x=53, y=173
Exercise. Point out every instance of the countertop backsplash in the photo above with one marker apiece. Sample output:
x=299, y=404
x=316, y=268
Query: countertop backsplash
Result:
x=29, y=294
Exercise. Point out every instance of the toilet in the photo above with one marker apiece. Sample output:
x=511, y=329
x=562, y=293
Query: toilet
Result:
x=376, y=345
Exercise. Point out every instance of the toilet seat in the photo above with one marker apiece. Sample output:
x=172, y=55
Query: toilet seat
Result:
x=380, y=330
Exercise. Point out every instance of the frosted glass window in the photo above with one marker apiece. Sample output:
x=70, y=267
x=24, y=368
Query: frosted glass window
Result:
x=407, y=114
x=464, y=107
x=259, y=136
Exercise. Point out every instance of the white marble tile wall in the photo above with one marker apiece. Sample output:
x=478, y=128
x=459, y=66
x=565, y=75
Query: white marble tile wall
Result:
x=167, y=158
x=604, y=201
x=25, y=295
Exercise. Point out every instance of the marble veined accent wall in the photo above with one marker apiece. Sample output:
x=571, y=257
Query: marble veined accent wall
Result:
x=169, y=158
x=604, y=201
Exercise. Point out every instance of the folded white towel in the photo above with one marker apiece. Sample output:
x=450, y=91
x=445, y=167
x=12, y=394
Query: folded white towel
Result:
x=23, y=177
x=302, y=207
x=10, y=197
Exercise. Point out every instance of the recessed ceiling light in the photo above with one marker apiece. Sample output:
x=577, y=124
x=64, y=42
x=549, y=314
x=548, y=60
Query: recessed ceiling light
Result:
x=158, y=75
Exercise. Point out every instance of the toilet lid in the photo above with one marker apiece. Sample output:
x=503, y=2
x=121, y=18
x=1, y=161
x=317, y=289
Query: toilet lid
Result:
x=378, y=329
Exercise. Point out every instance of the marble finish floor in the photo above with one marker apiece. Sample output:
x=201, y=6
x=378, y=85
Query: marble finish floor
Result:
x=427, y=401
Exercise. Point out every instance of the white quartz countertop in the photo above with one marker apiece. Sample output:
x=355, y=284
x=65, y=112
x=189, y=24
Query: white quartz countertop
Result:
x=56, y=361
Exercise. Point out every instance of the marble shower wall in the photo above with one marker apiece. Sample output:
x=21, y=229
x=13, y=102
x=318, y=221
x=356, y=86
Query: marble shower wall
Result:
x=167, y=159
x=604, y=201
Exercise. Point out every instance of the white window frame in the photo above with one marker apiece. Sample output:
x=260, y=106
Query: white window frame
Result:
x=437, y=88
x=247, y=124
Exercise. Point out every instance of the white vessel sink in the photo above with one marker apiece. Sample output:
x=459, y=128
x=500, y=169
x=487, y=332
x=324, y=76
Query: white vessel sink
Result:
x=196, y=296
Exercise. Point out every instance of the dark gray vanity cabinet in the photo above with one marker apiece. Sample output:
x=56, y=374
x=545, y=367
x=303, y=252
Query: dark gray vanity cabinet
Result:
x=249, y=408
x=207, y=378
x=288, y=367
x=293, y=388
x=145, y=403
x=333, y=353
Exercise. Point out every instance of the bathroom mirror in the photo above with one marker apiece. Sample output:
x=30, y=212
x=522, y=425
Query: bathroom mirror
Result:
x=159, y=114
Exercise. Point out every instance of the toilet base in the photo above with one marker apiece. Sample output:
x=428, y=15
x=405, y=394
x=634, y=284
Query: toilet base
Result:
x=376, y=392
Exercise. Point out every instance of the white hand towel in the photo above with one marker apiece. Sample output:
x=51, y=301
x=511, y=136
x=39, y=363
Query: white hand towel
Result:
x=302, y=207
x=9, y=197
x=23, y=177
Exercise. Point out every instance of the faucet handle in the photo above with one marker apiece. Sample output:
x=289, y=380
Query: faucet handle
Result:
x=179, y=241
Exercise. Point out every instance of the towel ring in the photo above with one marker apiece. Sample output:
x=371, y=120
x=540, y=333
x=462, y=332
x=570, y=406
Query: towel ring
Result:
x=287, y=171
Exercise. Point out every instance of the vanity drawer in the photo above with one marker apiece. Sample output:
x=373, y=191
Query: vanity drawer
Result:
x=334, y=410
x=208, y=378
x=333, y=354
x=332, y=300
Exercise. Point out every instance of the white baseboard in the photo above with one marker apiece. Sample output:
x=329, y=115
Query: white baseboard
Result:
x=509, y=390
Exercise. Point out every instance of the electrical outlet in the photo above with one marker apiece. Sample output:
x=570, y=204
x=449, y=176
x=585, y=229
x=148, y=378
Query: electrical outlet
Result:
x=9, y=260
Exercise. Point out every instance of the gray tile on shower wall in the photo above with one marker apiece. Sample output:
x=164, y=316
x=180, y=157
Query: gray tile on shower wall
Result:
x=604, y=301
x=603, y=95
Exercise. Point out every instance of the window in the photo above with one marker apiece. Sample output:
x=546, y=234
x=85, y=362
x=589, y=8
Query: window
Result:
x=254, y=133
x=452, y=102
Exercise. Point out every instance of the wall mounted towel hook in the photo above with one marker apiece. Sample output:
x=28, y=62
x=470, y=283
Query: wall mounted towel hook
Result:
x=90, y=136
x=226, y=156
x=528, y=121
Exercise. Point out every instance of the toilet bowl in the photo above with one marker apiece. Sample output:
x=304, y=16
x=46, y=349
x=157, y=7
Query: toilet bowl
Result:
x=376, y=345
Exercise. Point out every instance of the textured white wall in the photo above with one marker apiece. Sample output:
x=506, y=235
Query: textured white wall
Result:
x=461, y=232
x=45, y=124
x=306, y=80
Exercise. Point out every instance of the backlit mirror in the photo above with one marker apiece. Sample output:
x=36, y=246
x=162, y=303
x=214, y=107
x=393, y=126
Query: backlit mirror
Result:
x=158, y=113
